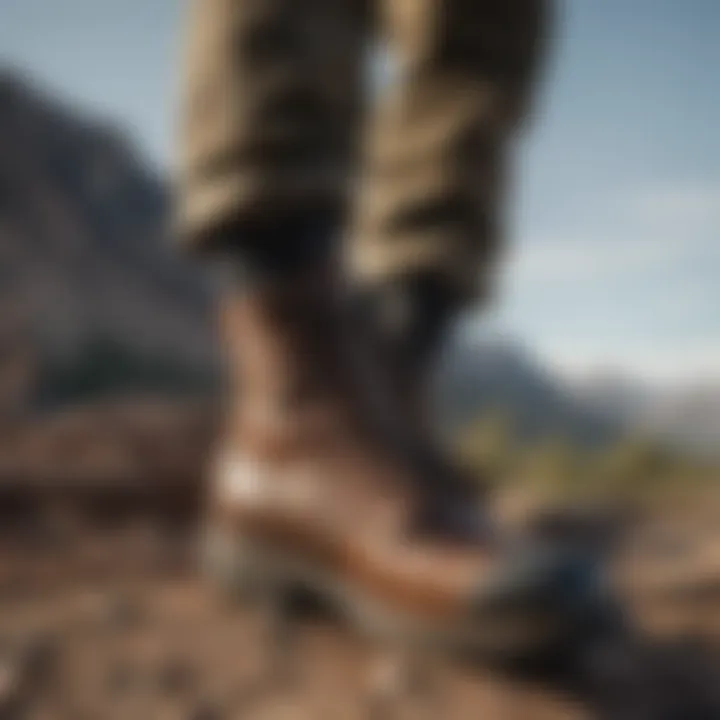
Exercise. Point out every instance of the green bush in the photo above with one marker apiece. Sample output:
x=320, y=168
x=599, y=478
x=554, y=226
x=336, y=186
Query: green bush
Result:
x=635, y=468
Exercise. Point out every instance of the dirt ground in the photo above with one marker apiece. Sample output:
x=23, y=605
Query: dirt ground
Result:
x=110, y=621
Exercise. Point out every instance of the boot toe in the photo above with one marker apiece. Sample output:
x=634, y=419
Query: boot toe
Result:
x=537, y=597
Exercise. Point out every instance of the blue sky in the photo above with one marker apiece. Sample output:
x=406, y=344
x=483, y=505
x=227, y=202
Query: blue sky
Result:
x=615, y=258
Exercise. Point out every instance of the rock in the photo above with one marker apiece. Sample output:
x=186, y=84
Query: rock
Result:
x=204, y=711
x=39, y=660
x=122, y=678
x=175, y=676
x=10, y=690
x=115, y=611
x=25, y=671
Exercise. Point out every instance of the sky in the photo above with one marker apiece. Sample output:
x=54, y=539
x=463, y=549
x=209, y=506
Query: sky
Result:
x=614, y=257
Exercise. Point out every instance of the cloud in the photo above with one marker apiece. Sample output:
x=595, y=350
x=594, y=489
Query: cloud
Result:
x=580, y=260
x=661, y=361
x=688, y=202
x=640, y=231
x=633, y=287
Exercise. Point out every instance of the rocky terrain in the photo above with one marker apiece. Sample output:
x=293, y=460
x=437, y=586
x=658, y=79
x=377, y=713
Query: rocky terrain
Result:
x=106, y=619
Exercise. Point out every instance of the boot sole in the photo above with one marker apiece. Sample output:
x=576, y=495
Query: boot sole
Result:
x=246, y=570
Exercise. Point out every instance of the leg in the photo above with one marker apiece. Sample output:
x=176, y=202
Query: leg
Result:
x=272, y=89
x=432, y=198
x=311, y=488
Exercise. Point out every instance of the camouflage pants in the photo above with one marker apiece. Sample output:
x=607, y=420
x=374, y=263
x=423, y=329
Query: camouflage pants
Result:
x=276, y=130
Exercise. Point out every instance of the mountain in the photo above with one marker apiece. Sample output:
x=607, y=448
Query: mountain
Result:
x=684, y=415
x=491, y=374
x=92, y=296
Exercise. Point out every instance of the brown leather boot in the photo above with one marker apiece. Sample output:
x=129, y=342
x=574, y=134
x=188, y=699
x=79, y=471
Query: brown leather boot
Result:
x=310, y=490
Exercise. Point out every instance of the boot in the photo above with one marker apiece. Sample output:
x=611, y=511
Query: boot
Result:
x=407, y=323
x=311, y=490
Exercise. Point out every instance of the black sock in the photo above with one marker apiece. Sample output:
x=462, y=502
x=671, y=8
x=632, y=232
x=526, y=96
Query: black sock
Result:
x=272, y=253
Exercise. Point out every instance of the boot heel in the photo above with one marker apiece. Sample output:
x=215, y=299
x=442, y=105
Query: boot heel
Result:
x=240, y=569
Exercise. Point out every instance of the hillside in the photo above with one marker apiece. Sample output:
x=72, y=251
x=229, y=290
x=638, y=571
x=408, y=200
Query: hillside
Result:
x=90, y=289
x=494, y=375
